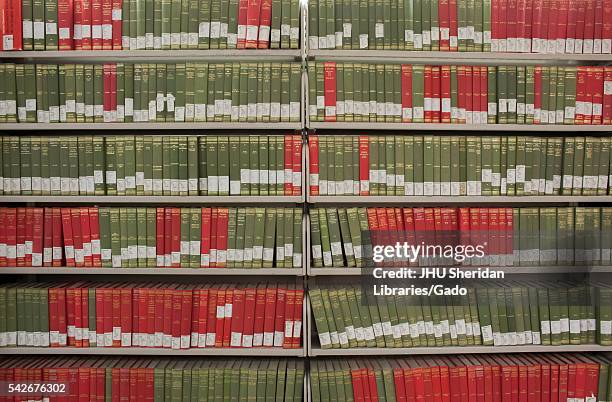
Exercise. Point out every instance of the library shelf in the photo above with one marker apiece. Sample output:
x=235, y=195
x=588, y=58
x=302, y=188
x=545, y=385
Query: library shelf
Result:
x=161, y=199
x=569, y=128
x=457, y=200
x=151, y=126
x=133, y=351
x=453, y=350
x=431, y=57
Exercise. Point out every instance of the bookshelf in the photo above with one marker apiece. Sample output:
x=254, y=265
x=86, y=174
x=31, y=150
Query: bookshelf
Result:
x=473, y=58
x=12, y=127
x=454, y=350
x=255, y=352
x=233, y=272
x=456, y=200
x=141, y=199
x=401, y=128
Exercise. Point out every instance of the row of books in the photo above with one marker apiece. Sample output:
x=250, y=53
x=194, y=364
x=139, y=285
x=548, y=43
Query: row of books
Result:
x=500, y=314
x=350, y=237
x=153, y=315
x=458, y=165
x=184, y=92
x=457, y=25
x=532, y=377
x=151, y=165
x=141, y=24
x=161, y=379
x=148, y=237
x=459, y=94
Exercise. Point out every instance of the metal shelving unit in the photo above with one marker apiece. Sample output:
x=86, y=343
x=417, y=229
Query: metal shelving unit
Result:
x=318, y=125
x=259, y=352
x=456, y=350
x=156, y=55
x=456, y=200
x=422, y=57
x=162, y=199
x=149, y=126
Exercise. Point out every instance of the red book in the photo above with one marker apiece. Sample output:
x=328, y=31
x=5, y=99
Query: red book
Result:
x=288, y=319
x=2, y=237
x=238, y=317
x=358, y=394
x=269, y=321
x=70, y=315
x=252, y=29
x=265, y=16
x=248, y=317
x=220, y=316
x=537, y=99
x=21, y=236
x=158, y=324
x=435, y=94
x=469, y=94
x=589, y=27
x=562, y=25
x=297, y=165
x=86, y=236
x=313, y=165
x=298, y=313
x=538, y=28
x=400, y=385
x=445, y=94
x=213, y=237
x=79, y=256
x=160, y=237
x=11, y=25
x=114, y=294
x=125, y=308
x=260, y=317
x=65, y=24
x=329, y=85
x=167, y=324
x=96, y=24
x=406, y=93
x=116, y=21
x=581, y=80
x=288, y=172
x=77, y=36
x=176, y=314
x=606, y=42
x=195, y=317
x=227, y=318
x=205, y=238
x=580, y=27
x=11, y=236
x=222, y=222
x=107, y=25
x=476, y=95
x=202, y=317
x=211, y=321
x=607, y=95
x=185, y=327
x=37, y=237
x=588, y=95
x=503, y=24
x=243, y=6
x=86, y=24
x=94, y=229
x=138, y=318
x=444, y=21
x=29, y=234
x=453, y=39
x=68, y=239
x=106, y=106
x=84, y=332
x=511, y=25
x=279, y=318
x=364, y=165
x=598, y=92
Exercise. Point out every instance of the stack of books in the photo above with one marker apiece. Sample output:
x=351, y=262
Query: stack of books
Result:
x=185, y=92
x=151, y=165
x=154, y=315
x=147, y=237
x=458, y=165
x=148, y=24
x=404, y=93
x=508, y=313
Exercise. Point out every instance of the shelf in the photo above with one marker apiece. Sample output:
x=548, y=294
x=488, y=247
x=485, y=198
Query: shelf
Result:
x=247, y=352
x=506, y=270
x=149, y=126
x=149, y=56
x=142, y=199
x=454, y=350
x=421, y=57
x=457, y=200
x=456, y=127
x=153, y=271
